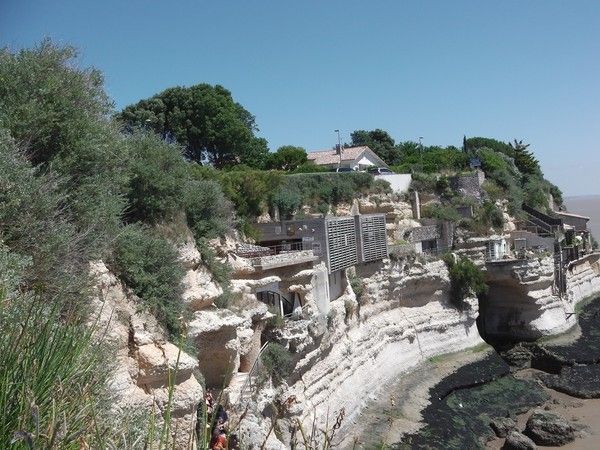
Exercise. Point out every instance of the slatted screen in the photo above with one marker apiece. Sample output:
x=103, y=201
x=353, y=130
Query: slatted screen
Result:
x=341, y=243
x=374, y=245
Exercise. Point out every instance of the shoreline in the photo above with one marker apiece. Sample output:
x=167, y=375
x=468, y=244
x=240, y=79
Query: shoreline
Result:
x=397, y=407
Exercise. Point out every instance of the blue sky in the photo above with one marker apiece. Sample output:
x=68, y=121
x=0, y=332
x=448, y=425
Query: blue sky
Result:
x=438, y=69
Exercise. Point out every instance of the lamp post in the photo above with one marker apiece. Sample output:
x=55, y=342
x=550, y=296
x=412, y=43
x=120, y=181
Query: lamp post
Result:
x=421, y=151
x=339, y=147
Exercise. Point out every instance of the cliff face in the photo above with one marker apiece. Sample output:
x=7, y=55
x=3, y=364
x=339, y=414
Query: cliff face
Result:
x=143, y=360
x=524, y=303
x=402, y=318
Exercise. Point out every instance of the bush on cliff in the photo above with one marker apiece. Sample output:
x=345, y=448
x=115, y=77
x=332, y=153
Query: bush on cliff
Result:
x=466, y=279
x=278, y=361
x=147, y=263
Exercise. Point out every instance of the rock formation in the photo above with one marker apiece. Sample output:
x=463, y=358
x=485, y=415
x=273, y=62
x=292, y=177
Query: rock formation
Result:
x=144, y=361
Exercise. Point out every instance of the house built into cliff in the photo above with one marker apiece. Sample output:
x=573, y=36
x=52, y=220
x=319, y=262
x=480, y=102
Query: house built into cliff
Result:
x=328, y=245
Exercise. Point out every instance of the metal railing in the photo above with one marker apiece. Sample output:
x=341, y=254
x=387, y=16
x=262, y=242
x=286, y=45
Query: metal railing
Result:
x=270, y=250
x=254, y=370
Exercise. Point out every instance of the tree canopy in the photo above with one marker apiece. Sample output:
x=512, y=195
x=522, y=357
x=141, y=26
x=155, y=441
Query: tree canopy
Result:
x=377, y=140
x=287, y=158
x=205, y=120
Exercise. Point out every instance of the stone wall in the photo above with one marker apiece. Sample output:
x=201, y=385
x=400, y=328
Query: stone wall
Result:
x=468, y=185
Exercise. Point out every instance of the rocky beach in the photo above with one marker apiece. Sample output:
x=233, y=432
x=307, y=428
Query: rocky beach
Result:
x=476, y=398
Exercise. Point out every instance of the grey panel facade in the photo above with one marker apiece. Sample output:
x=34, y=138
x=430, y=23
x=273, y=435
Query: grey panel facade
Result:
x=373, y=237
x=341, y=243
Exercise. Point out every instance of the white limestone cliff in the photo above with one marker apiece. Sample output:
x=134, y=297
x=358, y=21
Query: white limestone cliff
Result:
x=144, y=360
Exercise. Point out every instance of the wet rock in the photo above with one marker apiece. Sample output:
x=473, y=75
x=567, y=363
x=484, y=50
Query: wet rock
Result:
x=546, y=428
x=502, y=426
x=518, y=357
x=577, y=381
x=518, y=441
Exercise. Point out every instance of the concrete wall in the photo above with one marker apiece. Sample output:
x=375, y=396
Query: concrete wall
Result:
x=320, y=288
x=399, y=182
x=337, y=284
x=532, y=240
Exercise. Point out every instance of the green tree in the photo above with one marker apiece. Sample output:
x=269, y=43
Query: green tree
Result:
x=287, y=158
x=377, y=140
x=205, y=120
x=524, y=159
x=58, y=114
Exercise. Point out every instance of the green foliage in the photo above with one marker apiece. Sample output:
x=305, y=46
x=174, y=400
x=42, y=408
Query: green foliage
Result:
x=358, y=286
x=326, y=188
x=58, y=115
x=423, y=182
x=278, y=361
x=47, y=102
x=287, y=201
x=377, y=140
x=466, y=279
x=440, y=212
x=221, y=272
x=52, y=375
x=310, y=167
x=487, y=216
x=34, y=223
x=287, y=158
x=524, y=159
x=209, y=213
x=205, y=120
x=434, y=158
x=158, y=178
x=249, y=190
x=148, y=264
x=475, y=143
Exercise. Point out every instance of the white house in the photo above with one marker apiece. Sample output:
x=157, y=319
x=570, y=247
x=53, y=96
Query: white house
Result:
x=357, y=158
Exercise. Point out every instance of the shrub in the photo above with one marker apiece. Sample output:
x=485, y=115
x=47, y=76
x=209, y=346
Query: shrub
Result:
x=423, y=182
x=278, y=361
x=286, y=201
x=465, y=279
x=147, y=263
x=381, y=187
x=158, y=178
x=441, y=212
x=249, y=190
x=209, y=213
x=310, y=167
x=326, y=188
x=220, y=271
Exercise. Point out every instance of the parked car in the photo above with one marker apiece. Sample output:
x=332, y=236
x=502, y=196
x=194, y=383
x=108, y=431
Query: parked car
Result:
x=343, y=169
x=380, y=171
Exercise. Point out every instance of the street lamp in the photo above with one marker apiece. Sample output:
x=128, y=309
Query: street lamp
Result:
x=339, y=147
x=421, y=151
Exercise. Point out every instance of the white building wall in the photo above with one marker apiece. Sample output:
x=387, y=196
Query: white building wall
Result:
x=400, y=182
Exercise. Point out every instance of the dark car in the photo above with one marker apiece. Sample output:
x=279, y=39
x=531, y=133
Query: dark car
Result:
x=343, y=169
x=380, y=171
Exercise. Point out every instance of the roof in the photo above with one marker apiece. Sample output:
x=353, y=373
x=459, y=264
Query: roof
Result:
x=562, y=213
x=325, y=157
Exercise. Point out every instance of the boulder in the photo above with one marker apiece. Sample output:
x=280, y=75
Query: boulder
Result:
x=546, y=428
x=518, y=357
x=502, y=426
x=518, y=441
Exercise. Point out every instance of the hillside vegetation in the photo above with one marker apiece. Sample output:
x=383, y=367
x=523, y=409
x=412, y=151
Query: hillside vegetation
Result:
x=81, y=182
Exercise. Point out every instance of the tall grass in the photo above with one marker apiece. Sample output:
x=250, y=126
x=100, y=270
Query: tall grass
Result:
x=51, y=375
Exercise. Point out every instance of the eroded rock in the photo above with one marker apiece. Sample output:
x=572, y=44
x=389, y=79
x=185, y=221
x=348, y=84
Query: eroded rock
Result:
x=546, y=428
